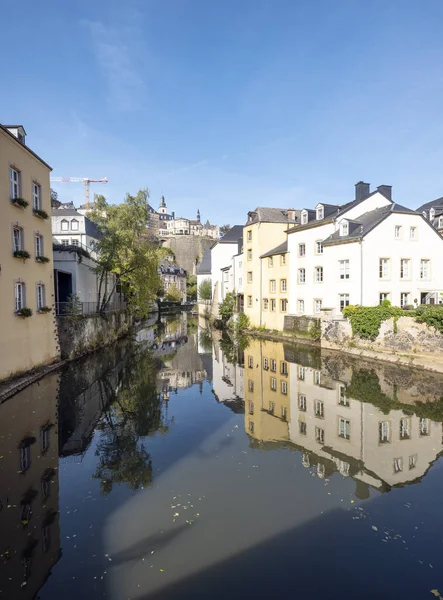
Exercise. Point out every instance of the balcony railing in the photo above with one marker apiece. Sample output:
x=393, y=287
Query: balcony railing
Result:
x=69, y=309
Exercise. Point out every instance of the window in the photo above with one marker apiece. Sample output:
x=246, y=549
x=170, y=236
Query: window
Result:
x=74, y=225
x=440, y=222
x=343, y=468
x=344, y=228
x=38, y=245
x=404, y=299
x=344, y=428
x=251, y=427
x=424, y=426
x=284, y=305
x=249, y=235
x=265, y=303
x=14, y=183
x=412, y=461
x=405, y=428
x=76, y=243
x=398, y=232
x=44, y=439
x=424, y=269
x=284, y=387
x=251, y=362
x=383, y=268
x=318, y=274
x=249, y=255
x=300, y=306
x=272, y=286
x=342, y=398
x=265, y=363
x=273, y=385
x=344, y=301
x=320, y=213
x=405, y=271
x=302, y=249
x=283, y=259
x=319, y=409
x=270, y=261
x=317, y=377
x=302, y=403
x=251, y=408
x=302, y=276
x=284, y=410
x=65, y=242
x=250, y=385
x=40, y=293
x=304, y=217
x=273, y=365
x=17, y=238
x=319, y=435
x=19, y=293
x=398, y=465
x=317, y=306
x=344, y=269
x=413, y=233
x=383, y=296
x=283, y=285
x=284, y=367
x=305, y=461
x=301, y=373
x=249, y=276
x=318, y=248
x=302, y=427
x=65, y=225
x=321, y=471
x=384, y=432
x=36, y=196
x=25, y=458
x=250, y=301
x=273, y=304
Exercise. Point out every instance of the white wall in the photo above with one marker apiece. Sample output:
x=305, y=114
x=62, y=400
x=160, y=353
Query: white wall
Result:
x=238, y=273
x=221, y=256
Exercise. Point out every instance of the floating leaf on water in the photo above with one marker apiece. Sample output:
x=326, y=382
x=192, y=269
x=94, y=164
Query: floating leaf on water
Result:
x=375, y=528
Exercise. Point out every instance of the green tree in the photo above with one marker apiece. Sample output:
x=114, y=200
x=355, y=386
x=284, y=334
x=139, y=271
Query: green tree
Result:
x=191, y=287
x=227, y=307
x=205, y=290
x=126, y=251
x=173, y=294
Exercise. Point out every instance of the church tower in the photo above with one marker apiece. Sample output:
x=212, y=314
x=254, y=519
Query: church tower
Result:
x=198, y=215
x=162, y=209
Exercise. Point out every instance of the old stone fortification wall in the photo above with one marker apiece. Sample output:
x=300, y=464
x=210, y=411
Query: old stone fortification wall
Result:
x=418, y=342
x=188, y=250
x=78, y=335
x=300, y=327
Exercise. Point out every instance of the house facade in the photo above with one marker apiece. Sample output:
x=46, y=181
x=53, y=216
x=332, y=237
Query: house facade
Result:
x=222, y=253
x=26, y=280
x=369, y=250
x=173, y=278
x=274, y=270
x=265, y=229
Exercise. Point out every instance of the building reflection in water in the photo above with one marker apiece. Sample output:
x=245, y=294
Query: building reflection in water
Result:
x=380, y=425
x=29, y=490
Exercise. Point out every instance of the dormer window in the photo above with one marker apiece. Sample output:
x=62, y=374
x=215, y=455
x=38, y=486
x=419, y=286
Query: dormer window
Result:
x=320, y=213
x=304, y=217
x=432, y=214
x=440, y=222
x=74, y=225
x=65, y=225
x=344, y=228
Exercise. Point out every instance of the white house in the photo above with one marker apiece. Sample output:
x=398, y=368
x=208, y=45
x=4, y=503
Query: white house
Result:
x=366, y=251
x=221, y=262
x=70, y=228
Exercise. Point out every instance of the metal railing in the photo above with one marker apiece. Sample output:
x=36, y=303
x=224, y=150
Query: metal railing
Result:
x=77, y=309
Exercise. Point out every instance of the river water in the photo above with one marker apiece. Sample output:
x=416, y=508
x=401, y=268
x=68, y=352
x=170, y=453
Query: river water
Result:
x=179, y=466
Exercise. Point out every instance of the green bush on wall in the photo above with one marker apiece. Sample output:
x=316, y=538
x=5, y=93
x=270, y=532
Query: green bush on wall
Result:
x=366, y=320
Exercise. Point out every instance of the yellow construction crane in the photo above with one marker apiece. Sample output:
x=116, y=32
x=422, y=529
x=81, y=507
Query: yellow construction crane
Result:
x=85, y=180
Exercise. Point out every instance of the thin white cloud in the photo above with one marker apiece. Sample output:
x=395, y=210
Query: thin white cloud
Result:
x=113, y=53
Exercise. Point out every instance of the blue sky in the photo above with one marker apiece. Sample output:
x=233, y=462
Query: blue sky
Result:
x=225, y=105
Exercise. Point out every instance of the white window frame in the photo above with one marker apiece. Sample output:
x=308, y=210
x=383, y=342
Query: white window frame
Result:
x=265, y=304
x=283, y=305
x=413, y=233
x=302, y=403
x=405, y=269
x=273, y=286
x=40, y=293
x=76, y=222
x=301, y=373
x=284, y=387
x=343, y=299
x=301, y=276
x=320, y=213
x=249, y=301
x=405, y=428
x=383, y=296
x=425, y=262
x=36, y=196
x=398, y=232
x=249, y=235
x=17, y=240
x=283, y=285
x=318, y=274
x=318, y=247
x=384, y=432
x=270, y=261
x=273, y=305
x=251, y=362
x=19, y=295
x=319, y=435
x=273, y=365
x=64, y=225
x=384, y=268
x=344, y=270
x=282, y=260
x=424, y=426
x=249, y=276
x=273, y=385
x=302, y=249
x=398, y=465
x=300, y=305
x=404, y=299
x=304, y=217
x=38, y=242
x=343, y=400
x=14, y=183
x=344, y=228
x=344, y=428
x=250, y=385
x=249, y=254
x=265, y=363
x=319, y=409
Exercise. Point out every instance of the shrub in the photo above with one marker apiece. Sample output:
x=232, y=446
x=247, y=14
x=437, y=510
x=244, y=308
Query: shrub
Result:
x=314, y=332
x=205, y=290
x=74, y=307
x=432, y=316
x=20, y=202
x=42, y=259
x=22, y=254
x=366, y=320
x=243, y=321
x=45, y=309
x=226, y=307
x=24, y=312
x=40, y=213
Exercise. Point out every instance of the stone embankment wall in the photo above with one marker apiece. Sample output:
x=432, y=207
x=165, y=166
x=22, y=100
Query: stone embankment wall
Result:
x=300, y=327
x=406, y=339
x=188, y=250
x=78, y=335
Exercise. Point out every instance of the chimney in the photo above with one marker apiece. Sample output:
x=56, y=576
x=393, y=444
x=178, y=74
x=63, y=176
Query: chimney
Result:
x=386, y=190
x=173, y=214
x=291, y=214
x=361, y=190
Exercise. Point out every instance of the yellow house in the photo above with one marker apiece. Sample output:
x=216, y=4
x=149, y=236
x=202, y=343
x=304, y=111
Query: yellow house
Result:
x=28, y=335
x=267, y=392
x=265, y=230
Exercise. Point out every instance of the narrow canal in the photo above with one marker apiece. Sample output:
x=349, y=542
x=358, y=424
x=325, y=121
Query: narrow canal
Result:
x=178, y=466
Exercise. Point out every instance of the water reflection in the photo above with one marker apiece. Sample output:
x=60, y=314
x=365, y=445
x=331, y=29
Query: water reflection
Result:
x=380, y=425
